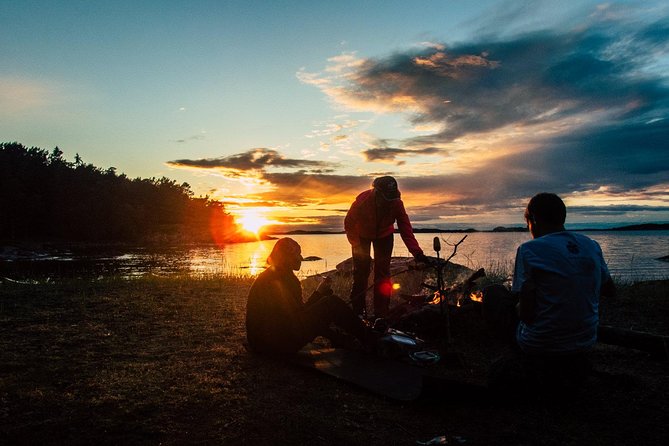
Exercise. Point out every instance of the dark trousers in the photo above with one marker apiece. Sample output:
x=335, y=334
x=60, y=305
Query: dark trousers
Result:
x=515, y=373
x=320, y=312
x=362, y=261
x=499, y=313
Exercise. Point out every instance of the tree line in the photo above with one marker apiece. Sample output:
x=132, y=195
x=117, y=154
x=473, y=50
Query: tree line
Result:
x=44, y=197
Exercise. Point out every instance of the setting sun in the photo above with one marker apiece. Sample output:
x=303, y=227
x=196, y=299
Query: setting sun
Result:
x=252, y=220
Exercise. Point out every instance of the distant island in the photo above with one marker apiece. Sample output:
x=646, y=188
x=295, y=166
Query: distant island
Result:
x=635, y=227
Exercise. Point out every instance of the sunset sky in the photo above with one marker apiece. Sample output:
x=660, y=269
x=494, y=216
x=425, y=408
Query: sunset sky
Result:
x=291, y=108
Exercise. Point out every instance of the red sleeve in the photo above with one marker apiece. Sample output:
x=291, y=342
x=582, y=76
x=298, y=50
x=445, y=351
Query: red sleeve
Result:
x=352, y=223
x=406, y=231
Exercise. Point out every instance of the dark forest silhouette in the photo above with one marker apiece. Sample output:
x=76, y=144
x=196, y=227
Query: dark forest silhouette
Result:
x=44, y=197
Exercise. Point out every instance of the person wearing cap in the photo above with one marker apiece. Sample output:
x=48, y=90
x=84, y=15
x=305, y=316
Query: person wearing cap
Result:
x=370, y=222
x=278, y=322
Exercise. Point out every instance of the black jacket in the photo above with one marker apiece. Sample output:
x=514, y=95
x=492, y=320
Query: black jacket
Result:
x=273, y=313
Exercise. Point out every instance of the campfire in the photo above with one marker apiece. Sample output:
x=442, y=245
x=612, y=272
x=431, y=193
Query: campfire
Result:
x=456, y=298
x=476, y=296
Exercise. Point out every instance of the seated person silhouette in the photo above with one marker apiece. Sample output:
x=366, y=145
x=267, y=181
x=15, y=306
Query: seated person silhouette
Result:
x=550, y=316
x=278, y=322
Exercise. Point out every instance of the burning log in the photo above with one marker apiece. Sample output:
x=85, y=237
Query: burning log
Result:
x=459, y=293
x=421, y=313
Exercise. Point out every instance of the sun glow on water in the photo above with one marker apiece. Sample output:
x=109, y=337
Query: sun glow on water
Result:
x=257, y=263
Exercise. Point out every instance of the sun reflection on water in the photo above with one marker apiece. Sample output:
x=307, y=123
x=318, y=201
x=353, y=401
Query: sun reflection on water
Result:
x=257, y=262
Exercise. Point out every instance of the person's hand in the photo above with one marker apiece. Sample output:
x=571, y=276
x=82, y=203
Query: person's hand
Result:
x=428, y=262
x=422, y=261
x=422, y=258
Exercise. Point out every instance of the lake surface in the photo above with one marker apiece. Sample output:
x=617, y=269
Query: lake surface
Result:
x=630, y=255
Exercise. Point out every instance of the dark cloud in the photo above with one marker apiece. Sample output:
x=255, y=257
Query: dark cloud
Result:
x=330, y=223
x=302, y=188
x=313, y=183
x=191, y=138
x=589, y=103
x=501, y=189
x=499, y=186
x=254, y=159
x=654, y=37
x=628, y=160
x=391, y=153
x=252, y=204
x=589, y=106
x=624, y=154
x=529, y=79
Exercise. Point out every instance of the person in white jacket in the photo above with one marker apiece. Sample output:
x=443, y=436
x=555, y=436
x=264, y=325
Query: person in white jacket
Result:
x=552, y=310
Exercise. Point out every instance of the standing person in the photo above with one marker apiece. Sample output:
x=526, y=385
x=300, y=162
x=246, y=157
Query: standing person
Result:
x=278, y=322
x=370, y=221
x=558, y=279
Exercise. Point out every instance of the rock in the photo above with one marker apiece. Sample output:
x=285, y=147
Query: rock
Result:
x=311, y=258
x=397, y=264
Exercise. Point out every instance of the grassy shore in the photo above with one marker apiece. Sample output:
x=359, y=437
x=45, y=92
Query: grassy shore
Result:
x=162, y=361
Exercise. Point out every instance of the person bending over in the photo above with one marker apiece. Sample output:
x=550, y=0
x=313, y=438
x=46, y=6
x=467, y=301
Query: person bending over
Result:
x=370, y=222
x=278, y=322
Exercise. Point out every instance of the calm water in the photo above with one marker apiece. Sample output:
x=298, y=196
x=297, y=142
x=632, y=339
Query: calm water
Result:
x=630, y=255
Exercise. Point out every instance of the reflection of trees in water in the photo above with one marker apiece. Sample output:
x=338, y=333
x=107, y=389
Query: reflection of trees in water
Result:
x=45, y=197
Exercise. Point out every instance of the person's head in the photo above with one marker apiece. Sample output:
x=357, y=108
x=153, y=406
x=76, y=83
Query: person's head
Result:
x=286, y=254
x=545, y=213
x=386, y=187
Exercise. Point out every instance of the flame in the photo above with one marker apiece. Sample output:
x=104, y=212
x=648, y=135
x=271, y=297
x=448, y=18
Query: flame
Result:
x=476, y=296
x=455, y=298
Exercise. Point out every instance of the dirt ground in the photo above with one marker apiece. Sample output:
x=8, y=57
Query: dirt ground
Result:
x=162, y=361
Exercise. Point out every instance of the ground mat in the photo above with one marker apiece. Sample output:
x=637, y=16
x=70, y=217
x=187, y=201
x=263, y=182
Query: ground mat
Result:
x=382, y=376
